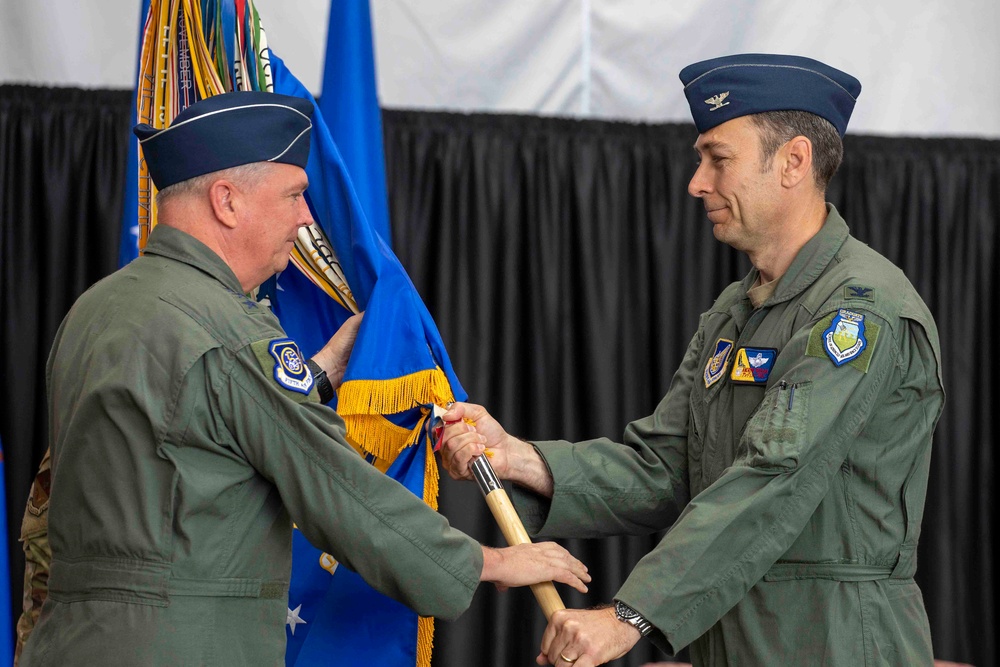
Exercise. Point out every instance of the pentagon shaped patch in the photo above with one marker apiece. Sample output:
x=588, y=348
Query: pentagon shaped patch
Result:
x=753, y=365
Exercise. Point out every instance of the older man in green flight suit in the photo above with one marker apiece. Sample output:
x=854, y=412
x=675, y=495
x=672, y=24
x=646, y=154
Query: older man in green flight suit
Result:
x=187, y=431
x=795, y=436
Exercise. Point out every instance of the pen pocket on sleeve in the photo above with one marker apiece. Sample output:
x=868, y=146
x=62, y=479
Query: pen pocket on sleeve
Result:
x=773, y=437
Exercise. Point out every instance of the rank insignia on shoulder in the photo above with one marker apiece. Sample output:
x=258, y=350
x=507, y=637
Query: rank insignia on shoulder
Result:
x=859, y=292
x=753, y=365
x=716, y=366
x=290, y=369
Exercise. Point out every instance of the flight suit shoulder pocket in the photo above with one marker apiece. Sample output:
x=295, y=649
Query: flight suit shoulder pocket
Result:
x=774, y=435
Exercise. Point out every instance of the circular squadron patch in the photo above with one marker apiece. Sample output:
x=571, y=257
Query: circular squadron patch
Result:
x=290, y=369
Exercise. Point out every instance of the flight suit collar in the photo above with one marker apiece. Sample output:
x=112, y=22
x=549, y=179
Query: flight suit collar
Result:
x=167, y=241
x=811, y=261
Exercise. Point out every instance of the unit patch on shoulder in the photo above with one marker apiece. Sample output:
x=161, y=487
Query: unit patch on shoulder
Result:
x=282, y=359
x=859, y=292
x=716, y=366
x=753, y=365
x=290, y=368
x=845, y=337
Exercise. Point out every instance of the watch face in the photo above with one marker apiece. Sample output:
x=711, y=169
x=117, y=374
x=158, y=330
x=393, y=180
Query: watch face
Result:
x=625, y=612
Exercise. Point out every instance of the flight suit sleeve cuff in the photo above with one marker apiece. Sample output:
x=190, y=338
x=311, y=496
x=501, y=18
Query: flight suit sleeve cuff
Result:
x=543, y=516
x=635, y=599
x=531, y=507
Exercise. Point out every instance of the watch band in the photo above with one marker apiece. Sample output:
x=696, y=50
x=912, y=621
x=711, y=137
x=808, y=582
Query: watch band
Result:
x=323, y=385
x=626, y=614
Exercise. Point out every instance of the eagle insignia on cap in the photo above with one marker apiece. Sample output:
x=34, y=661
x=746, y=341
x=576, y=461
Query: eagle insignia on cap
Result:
x=717, y=100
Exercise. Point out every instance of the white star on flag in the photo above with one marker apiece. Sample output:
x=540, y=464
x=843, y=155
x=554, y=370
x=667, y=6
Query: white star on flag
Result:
x=293, y=618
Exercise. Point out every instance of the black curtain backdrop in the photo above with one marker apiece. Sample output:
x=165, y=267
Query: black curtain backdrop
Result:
x=62, y=169
x=566, y=267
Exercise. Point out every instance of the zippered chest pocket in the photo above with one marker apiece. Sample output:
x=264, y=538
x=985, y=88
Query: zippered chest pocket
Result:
x=774, y=435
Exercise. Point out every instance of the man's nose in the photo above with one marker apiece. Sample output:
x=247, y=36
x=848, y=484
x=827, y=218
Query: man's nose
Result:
x=699, y=186
x=305, y=215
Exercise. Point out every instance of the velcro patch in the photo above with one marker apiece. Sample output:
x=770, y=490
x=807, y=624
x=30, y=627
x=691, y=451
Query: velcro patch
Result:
x=845, y=337
x=753, y=365
x=281, y=359
x=859, y=292
x=715, y=368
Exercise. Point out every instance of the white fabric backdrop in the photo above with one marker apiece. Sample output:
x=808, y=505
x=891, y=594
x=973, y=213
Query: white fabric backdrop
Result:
x=930, y=67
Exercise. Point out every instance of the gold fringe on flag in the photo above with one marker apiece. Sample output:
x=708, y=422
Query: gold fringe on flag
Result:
x=425, y=624
x=425, y=640
x=362, y=403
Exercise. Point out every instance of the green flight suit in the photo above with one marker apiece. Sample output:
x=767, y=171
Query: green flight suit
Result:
x=179, y=462
x=801, y=496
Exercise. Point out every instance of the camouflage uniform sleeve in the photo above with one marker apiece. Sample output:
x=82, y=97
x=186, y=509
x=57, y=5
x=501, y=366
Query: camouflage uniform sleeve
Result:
x=37, y=553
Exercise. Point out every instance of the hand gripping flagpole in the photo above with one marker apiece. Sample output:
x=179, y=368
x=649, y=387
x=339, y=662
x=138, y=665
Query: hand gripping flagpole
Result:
x=504, y=513
x=512, y=528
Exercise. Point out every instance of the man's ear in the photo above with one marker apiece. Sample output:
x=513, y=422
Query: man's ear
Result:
x=223, y=195
x=796, y=161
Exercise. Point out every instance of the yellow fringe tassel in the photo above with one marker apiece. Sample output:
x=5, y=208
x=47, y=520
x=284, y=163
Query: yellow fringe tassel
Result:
x=431, y=478
x=376, y=435
x=362, y=403
x=425, y=624
x=425, y=640
x=387, y=397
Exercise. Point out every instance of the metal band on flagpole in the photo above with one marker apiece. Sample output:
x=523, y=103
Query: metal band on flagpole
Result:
x=512, y=528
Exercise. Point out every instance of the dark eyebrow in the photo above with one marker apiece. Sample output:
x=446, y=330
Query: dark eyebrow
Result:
x=712, y=146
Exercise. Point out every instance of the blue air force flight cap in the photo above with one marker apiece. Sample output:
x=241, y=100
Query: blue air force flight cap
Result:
x=227, y=130
x=724, y=88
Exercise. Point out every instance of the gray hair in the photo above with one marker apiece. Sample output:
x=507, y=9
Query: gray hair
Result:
x=778, y=127
x=244, y=175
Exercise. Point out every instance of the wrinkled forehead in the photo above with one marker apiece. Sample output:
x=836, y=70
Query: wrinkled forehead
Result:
x=734, y=134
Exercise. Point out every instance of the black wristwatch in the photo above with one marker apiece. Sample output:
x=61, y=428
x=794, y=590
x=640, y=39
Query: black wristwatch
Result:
x=626, y=614
x=323, y=385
